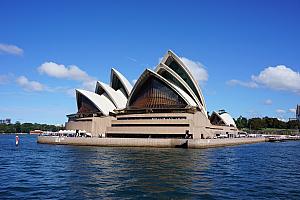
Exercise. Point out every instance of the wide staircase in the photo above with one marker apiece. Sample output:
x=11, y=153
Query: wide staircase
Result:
x=152, y=125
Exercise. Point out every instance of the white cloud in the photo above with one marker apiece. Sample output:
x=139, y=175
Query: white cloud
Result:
x=292, y=110
x=60, y=71
x=70, y=92
x=71, y=72
x=268, y=102
x=10, y=49
x=280, y=111
x=30, y=85
x=276, y=78
x=279, y=78
x=89, y=85
x=249, y=84
x=198, y=70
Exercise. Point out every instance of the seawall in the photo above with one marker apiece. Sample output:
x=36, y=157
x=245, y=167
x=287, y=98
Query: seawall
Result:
x=198, y=143
x=142, y=142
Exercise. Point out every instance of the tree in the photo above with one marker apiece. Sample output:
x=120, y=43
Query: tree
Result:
x=256, y=123
x=241, y=122
x=18, y=127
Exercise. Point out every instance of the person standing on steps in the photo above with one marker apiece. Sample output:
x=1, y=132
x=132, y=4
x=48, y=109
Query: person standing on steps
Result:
x=187, y=135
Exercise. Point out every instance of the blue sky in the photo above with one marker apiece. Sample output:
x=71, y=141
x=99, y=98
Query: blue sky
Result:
x=249, y=49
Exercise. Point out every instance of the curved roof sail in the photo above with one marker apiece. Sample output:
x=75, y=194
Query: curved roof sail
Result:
x=118, y=81
x=89, y=101
x=153, y=91
x=174, y=78
x=175, y=63
x=228, y=119
x=222, y=119
x=117, y=97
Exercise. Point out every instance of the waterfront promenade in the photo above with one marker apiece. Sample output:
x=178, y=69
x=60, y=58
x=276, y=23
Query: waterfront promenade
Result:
x=149, y=142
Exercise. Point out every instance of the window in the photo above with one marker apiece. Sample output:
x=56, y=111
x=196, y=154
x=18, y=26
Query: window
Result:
x=216, y=120
x=183, y=74
x=153, y=93
x=117, y=85
x=172, y=79
x=86, y=106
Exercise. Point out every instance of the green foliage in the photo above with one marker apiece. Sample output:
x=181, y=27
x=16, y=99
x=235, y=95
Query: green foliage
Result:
x=241, y=122
x=265, y=123
x=27, y=127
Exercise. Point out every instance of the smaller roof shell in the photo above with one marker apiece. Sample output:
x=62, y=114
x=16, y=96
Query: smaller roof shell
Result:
x=117, y=97
x=117, y=76
x=100, y=101
x=226, y=118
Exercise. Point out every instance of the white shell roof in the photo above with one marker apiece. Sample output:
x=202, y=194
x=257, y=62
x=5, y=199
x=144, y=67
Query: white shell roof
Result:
x=188, y=72
x=123, y=80
x=117, y=97
x=178, y=90
x=100, y=101
x=175, y=75
x=228, y=120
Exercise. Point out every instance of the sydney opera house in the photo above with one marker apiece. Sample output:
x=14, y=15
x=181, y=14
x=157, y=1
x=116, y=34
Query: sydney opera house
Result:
x=163, y=103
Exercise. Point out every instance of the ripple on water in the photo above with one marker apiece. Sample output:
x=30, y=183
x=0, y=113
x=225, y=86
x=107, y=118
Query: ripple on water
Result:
x=256, y=171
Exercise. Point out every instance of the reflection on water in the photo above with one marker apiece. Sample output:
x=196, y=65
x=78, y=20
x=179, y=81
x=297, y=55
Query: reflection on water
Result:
x=138, y=172
x=32, y=170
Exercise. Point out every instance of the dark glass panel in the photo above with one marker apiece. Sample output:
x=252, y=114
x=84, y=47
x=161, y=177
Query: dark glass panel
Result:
x=216, y=120
x=86, y=106
x=173, y=80
x=99, y=91
x=153, y=93
x=178, y=69
x=117, y=84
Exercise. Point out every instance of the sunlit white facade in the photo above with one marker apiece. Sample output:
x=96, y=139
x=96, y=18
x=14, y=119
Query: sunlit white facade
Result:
x=106, y=98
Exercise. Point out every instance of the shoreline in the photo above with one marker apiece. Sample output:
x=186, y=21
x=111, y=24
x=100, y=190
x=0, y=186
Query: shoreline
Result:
x=148, y=142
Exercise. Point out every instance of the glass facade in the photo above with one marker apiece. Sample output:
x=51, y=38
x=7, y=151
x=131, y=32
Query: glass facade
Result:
x=216, y=120
x=175, y=81
x=85, y=106
x=153, y=93
x=181, y=72
x=99, y=89
x=116, y=85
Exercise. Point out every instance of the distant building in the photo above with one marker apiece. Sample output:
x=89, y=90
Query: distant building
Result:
x=298, y=112
x=5, y=121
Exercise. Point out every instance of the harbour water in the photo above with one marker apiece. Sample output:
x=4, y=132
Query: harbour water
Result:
x=253, y=171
